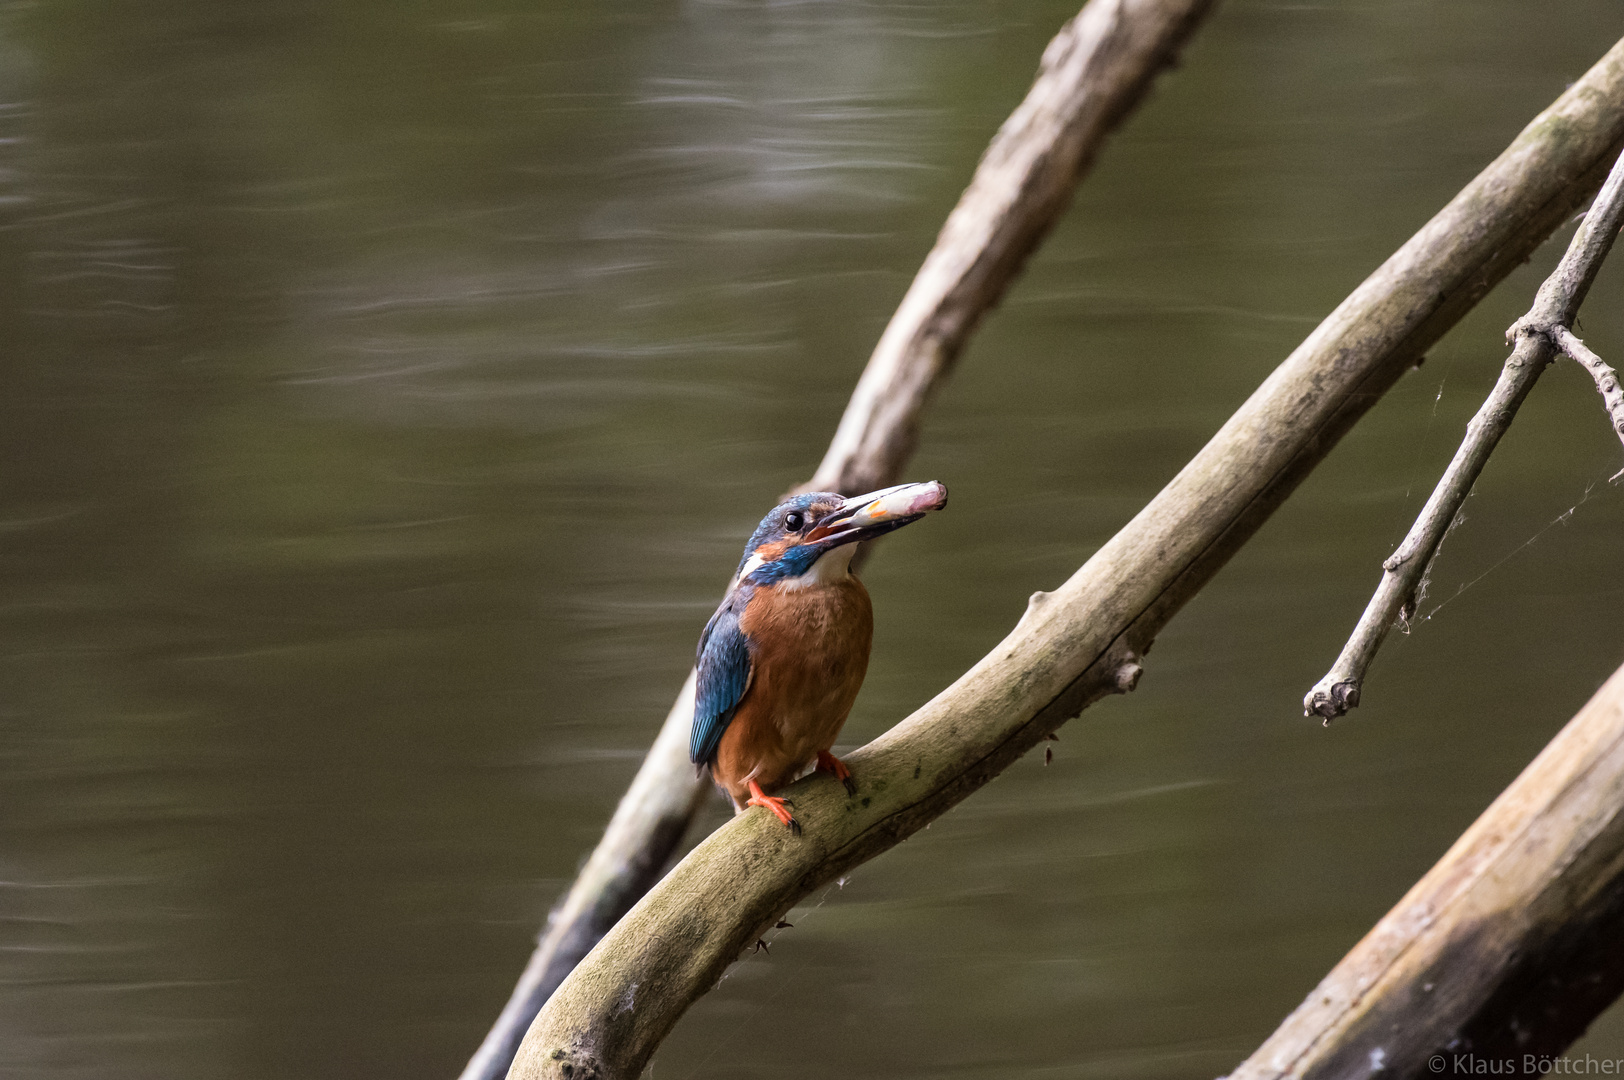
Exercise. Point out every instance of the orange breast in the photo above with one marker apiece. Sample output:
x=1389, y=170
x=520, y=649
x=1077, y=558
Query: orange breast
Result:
x=810, y=648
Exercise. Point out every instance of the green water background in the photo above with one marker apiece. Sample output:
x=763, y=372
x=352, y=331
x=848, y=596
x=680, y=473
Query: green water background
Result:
x=386, y=391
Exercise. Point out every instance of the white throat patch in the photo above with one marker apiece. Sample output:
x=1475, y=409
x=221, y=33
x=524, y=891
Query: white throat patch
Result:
x=832, y=566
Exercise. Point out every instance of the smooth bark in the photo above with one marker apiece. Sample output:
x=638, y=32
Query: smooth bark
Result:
x=1085, y=639
x=1092, y=75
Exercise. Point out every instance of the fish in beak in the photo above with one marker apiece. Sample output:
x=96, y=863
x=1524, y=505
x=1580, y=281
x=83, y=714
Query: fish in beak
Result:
x=865, y=517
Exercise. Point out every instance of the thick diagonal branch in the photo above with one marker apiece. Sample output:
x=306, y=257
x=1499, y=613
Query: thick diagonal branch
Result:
x=1555, y=305
x=1505, y=951
x=1093, y=73
x=1076, y=643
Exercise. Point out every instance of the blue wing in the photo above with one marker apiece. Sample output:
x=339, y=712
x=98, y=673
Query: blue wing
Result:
x=724, y=676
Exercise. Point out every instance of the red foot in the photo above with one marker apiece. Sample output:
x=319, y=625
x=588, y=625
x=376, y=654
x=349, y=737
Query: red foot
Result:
x=779, y=807
x=828, y=763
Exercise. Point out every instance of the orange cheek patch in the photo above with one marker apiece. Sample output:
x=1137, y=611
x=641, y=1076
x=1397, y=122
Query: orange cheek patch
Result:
x=771, y=552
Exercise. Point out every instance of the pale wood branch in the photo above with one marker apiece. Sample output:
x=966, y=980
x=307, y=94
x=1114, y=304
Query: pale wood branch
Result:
x=1402, y=573
x=1607, y=385
x=1084, y=640
x=646, y=828
x=1093, y=73
x=1507, y=948
x=1555, y=305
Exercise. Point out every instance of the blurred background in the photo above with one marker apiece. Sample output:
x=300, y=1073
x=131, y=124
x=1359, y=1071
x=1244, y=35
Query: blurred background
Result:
x=388, y=389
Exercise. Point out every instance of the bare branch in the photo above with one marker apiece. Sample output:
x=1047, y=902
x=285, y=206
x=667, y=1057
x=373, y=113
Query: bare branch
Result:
x=1404, y=570
x=1093, y=73
x=646, y=828
x=1083, y=640
x=1612, y=395
x=1508, y=947
x=1555, y=305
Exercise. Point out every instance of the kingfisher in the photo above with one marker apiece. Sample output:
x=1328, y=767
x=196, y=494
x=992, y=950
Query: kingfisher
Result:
x=780, y=663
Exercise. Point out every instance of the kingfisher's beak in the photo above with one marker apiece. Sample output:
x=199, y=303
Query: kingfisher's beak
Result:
x=866, y=516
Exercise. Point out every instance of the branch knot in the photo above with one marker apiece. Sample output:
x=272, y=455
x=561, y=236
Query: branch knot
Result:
x=1330, y=702
x=1127, y=676
x=1532, y=325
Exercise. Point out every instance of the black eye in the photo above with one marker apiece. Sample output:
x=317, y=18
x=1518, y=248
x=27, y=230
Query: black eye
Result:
x=793, y=521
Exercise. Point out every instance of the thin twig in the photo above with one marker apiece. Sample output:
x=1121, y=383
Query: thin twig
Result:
x=1092, y=75
x=1554, y=307
x=1612, y=394
x=1395, y=597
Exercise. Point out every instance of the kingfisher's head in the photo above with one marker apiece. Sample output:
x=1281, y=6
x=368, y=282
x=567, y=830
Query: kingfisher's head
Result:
x=813, y=536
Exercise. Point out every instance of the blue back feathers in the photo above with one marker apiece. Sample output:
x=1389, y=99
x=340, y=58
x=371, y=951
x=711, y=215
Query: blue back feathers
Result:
x=724, y=676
